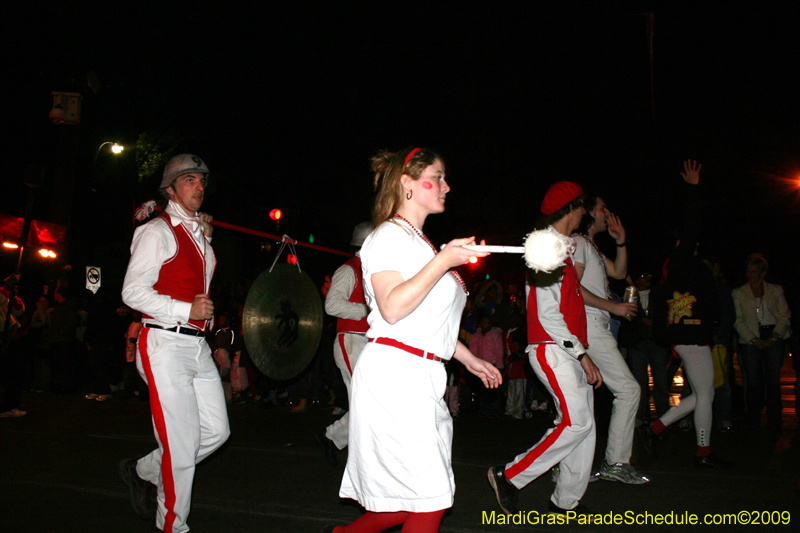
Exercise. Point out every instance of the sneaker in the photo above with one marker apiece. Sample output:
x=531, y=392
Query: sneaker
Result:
x=14, y=413
x=579, y=510
x=506, y=493
x=138, y=489
x=621, y=472
x=338, y=411
x=554, y=472
x=649, y=440
x=712, y=460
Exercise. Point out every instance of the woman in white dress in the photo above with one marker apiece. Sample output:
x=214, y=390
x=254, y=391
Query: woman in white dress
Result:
x=399, y=463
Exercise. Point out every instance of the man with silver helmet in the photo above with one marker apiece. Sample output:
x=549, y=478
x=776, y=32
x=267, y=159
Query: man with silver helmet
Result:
x=168, y=279
x=346, y=301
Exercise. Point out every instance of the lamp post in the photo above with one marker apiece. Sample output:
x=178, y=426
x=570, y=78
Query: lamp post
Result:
x=116, y=149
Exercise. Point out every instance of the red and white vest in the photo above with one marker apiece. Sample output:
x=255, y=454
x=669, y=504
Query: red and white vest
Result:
x=344, y=325
x=183, y=276
x=571, y=307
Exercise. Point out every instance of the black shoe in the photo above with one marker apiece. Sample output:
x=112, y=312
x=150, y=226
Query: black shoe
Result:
x=649, y=440
x=328, y=447
x=139, y=489
x=507, y=494
x=712, y=460
x=579, y=510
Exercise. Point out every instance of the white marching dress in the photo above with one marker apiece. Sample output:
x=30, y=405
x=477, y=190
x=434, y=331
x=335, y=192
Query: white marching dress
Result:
x=401, y=431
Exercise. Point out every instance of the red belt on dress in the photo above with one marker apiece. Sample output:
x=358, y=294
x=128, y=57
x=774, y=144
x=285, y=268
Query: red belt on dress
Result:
x=406, y=348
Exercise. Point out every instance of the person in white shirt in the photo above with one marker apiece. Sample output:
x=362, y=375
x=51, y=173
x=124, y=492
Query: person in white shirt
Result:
x=345, y=300
x=168, y=278
x=399, y=462
x=763, y=322
x=593, y=270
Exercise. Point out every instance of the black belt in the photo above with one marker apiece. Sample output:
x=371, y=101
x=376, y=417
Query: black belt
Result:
x=183, y=331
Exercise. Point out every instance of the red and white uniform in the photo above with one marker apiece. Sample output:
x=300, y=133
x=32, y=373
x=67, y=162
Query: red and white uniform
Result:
x=346, y=301
x=556, y=337
x=171, y=262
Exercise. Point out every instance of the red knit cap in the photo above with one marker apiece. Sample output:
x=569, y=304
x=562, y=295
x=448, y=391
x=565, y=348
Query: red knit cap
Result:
x=560, y=194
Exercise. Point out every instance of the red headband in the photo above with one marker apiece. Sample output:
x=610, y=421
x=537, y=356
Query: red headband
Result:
x=410, y=155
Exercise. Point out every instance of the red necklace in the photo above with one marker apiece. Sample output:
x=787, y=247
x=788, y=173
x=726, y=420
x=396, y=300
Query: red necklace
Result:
x=435, y=251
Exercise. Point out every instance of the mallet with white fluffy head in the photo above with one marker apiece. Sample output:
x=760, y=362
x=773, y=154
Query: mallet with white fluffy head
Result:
x=545, y=250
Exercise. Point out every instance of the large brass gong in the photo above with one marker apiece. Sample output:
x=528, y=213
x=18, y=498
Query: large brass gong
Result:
x=282, y=321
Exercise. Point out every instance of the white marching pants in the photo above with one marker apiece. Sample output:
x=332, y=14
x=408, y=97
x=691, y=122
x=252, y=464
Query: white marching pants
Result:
x=571, y=442
x=619, y=379
x=698, y=368
x=346, y=349
x=190, y=418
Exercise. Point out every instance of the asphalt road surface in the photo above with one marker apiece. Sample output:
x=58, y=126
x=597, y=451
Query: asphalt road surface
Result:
x=59, y=473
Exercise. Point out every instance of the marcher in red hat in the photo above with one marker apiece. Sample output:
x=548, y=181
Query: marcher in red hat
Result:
x=557, y=341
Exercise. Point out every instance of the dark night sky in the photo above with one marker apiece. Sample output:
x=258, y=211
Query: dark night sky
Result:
x=287, y=101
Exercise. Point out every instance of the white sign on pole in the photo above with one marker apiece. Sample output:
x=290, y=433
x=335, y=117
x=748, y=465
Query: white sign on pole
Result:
x=93, y=278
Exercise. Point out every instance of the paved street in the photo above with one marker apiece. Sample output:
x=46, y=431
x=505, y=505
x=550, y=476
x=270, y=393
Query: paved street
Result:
x=59, y=472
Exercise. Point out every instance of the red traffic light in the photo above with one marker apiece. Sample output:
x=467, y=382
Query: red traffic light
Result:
x=275, y=214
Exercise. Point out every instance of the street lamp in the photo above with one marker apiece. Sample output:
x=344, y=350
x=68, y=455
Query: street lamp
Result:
x=115, y=148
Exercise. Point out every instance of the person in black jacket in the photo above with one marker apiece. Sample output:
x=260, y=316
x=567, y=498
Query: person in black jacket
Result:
x=685, y=307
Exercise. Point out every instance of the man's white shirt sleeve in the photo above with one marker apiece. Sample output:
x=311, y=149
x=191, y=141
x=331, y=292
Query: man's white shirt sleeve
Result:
x=152, y=244
x=579, y=256
x=338, y=303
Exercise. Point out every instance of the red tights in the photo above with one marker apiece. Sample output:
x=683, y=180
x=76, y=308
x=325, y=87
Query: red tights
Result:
x=412, y=522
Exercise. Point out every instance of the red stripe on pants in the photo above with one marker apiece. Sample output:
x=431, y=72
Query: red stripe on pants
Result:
x=535, y=453
x=344, y=353
x=161, y=427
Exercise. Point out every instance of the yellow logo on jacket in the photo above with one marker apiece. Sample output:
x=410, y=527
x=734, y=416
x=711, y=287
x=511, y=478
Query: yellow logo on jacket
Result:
x=680, y=306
